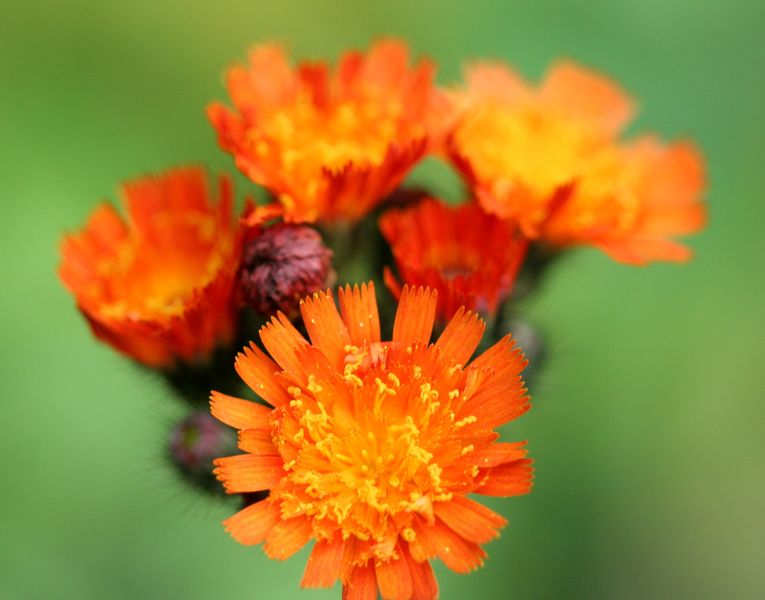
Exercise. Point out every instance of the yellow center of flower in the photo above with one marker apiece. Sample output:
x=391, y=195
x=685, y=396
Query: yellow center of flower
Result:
x=305, y=138
x=537, y=149
x=155, y=273
x=605, y=199
x=376, y=458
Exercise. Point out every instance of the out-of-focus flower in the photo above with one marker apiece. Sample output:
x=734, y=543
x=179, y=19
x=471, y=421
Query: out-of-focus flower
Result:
x=371, y=448
x=632, y=200
x=469, y=256
x=548, y=158
x=282, y=264
x=329, y=145
x=158, y=287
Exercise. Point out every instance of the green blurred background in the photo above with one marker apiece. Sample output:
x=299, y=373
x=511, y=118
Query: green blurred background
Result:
x=648, y=423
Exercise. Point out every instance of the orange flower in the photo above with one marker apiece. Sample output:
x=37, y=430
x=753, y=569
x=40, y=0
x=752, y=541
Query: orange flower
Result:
x=160, y=286
x=469, y=256
x=548, y=158
x=632, y=200
x=329, y=145
x=372, y=447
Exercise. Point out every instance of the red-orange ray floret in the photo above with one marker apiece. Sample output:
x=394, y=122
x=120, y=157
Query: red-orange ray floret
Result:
x=371, y=448
x=548, y=158
x=469, y=256
x=158, y=286
x=329, y=145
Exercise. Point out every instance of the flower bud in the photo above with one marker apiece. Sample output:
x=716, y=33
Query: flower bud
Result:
x=194, y=442
x=282, y=264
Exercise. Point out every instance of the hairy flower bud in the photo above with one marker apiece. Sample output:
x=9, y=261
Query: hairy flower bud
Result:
x=194, y=442
x=282, y=264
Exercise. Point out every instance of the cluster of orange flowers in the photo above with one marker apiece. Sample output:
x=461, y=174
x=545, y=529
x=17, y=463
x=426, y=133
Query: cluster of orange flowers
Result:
x=371, y=446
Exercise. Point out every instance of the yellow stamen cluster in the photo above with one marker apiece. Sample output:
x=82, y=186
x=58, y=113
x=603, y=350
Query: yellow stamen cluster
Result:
x=164, y=289
x=306, y=137
x=370, y=462
x=537, y=148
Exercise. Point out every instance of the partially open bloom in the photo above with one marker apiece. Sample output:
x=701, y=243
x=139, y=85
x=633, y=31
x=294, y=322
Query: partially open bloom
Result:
x=548, y=158
x=469, y=256
x=329, y=145
x=371, y=448
x=160, y=286
x=632, y=200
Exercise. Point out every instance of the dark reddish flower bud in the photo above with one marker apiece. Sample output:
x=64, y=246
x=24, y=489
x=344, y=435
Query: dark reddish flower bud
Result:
x=283, y=264
x=194, y=442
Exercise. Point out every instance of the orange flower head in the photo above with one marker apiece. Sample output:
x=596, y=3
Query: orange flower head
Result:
x=549, y=159
x=468, y=255
x=632, y=200
x=371, y=448
x=158, y=287
x=329, y=145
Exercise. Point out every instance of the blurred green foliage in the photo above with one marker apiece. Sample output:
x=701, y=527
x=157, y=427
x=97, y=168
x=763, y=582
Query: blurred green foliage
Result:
x=648, y=422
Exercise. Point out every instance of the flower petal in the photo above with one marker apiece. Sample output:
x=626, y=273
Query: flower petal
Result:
x=249, y=473
x=326, y=329
x=497, y=394
x=324, y=564
x=423, y=546
x=257, y=370
x=281, y=339
x=424, y=584
x=415, y=316
x=258, y=442
x=510, y=479
x=496, y=81
x=358, y=306
x=361, y=585
x=469, y=519
x=238, y=413
x=287, y=537
x=269, y=80
x=457, y=553
x=497, y=356
x=176, y=190
x=251, y=525
x=673, y=186
x=394, y=579
x=497, y=454
x=585, y=94
x=461, y=336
